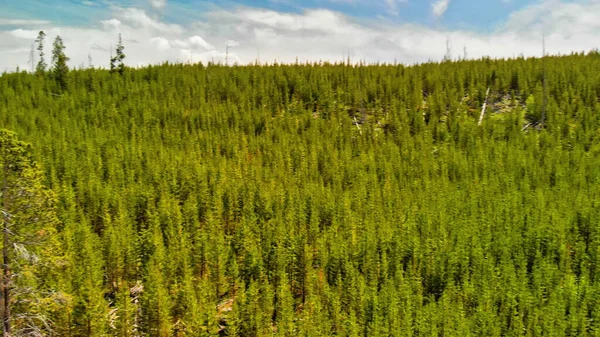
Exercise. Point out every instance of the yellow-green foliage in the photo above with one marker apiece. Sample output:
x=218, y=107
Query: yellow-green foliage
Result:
x=322, y=199
x=32, y=257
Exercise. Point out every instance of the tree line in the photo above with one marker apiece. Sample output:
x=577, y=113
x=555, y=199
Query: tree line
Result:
x=59, y=68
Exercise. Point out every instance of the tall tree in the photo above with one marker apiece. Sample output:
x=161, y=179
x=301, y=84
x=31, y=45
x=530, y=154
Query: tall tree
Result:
x=116, y=62
x=41, y=65
x=59, y=63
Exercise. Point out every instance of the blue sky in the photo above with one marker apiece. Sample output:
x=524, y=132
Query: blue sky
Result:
x=406, y=31
x=466, y=14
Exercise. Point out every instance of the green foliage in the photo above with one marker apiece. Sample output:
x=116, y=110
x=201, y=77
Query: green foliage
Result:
x=40, y=68
x=120, y=67
x=322, y=199
x=31, y=282
x=59, y=63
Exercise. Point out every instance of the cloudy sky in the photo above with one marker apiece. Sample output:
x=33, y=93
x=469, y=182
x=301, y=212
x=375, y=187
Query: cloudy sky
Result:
x=405, y=31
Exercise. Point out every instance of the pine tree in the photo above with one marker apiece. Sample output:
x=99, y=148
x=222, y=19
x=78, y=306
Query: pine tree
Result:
x=116, y=62
x=59, y=63
x=41, y=65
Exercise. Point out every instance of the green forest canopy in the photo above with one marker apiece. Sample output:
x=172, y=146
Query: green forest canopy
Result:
x=319, y=199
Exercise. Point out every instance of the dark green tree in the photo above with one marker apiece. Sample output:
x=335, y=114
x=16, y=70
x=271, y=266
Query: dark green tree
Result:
x=60, y=69
x=116, y=62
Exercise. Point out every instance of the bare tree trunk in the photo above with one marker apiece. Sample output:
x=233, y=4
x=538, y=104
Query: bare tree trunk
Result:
x=483, y=108
x=357, y=126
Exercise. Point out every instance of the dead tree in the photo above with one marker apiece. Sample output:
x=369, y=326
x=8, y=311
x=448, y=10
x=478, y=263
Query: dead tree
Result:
x=483, y=107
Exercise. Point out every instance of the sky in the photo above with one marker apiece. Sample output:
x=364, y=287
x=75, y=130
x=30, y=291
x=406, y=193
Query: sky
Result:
x=267, y=31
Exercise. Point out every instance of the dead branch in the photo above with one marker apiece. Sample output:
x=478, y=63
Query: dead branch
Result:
x=357, y=125
x=484, y=105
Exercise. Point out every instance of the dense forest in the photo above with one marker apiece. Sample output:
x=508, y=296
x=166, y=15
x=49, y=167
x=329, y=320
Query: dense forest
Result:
x=303, y=199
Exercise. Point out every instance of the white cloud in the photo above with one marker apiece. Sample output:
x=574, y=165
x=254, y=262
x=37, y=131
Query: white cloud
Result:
x=158, y=4
x=198, y=42
x=24, y=33
x=312, y=35
x=439, y=7
x=18, y=22
x=110, y=24
x=161, y=43
x=138, y=18
x=193, y=42
x=179, y=44
x=232, y=43
x=322, y=20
